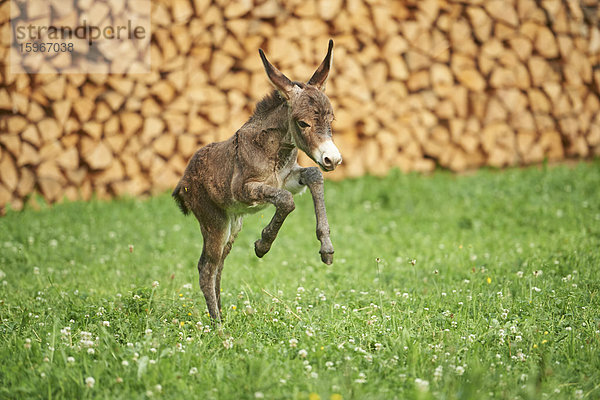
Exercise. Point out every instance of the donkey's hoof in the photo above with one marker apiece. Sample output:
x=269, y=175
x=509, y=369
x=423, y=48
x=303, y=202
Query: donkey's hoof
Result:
x=327, y=258
x=260, y=249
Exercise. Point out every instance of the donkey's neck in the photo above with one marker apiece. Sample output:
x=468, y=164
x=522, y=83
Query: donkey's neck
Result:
x=272, y=115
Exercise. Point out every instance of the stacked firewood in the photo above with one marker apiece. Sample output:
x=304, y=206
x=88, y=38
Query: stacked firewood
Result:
x=415, y=84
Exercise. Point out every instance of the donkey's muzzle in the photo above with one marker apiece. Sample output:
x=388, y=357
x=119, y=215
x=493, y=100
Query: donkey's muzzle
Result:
x=328, y=156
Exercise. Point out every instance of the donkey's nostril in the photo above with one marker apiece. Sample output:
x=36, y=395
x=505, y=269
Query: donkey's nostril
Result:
x=327, y=162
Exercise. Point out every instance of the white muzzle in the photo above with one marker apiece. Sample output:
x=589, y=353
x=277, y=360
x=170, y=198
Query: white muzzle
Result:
x=327, y=155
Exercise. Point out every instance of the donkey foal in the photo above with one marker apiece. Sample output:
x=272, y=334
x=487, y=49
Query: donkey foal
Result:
x=257, y=166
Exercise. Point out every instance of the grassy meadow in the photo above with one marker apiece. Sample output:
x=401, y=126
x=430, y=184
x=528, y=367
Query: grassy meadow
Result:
x=442, y=287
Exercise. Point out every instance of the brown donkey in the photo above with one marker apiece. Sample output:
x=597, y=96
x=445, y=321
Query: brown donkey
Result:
x=258, y=165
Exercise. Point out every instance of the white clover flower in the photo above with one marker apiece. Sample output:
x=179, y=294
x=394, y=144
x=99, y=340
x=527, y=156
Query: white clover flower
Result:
x=437, y=374
x=193, y=371
x=90, y=382
x=155, y=284
x=302, y=353
x=187, y=286
x=148, y=331
x=362, y=378
x=70, y=359
x=378, y=346
x=125, y=363
x=459, y=370
x=158, y=388
x=293, y=342
x=91, y=351
x=523, y=377
x=300, y=289
x=520, y=274
x=105, y=323
x=36, y=271
x=259, y=395
x=421, y=384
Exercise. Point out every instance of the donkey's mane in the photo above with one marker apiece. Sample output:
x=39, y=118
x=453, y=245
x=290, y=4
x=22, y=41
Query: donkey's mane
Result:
x=269, y=103
x=272, y=101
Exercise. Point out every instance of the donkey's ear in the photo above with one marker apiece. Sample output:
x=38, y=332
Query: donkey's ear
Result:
x=320, y=76
x=279, y=80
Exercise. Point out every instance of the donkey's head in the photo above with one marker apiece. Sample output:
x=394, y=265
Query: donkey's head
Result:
x=311, y=113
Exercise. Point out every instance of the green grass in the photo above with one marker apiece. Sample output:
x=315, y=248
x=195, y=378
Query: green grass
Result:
x=454, y=300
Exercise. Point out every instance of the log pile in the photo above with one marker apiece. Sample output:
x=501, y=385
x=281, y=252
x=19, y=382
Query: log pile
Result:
x=415, y=84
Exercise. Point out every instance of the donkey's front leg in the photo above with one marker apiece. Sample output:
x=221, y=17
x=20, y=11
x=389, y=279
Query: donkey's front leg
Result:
x=313, y=178
x=284, y=204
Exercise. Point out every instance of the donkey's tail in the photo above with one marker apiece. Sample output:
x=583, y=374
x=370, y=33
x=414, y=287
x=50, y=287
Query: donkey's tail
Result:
x=179, y=200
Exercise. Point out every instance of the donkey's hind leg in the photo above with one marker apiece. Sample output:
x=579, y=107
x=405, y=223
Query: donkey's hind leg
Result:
x=236, y=226
x=215, y=233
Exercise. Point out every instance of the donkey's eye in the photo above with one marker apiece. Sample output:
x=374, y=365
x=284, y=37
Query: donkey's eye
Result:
x=303, y=124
